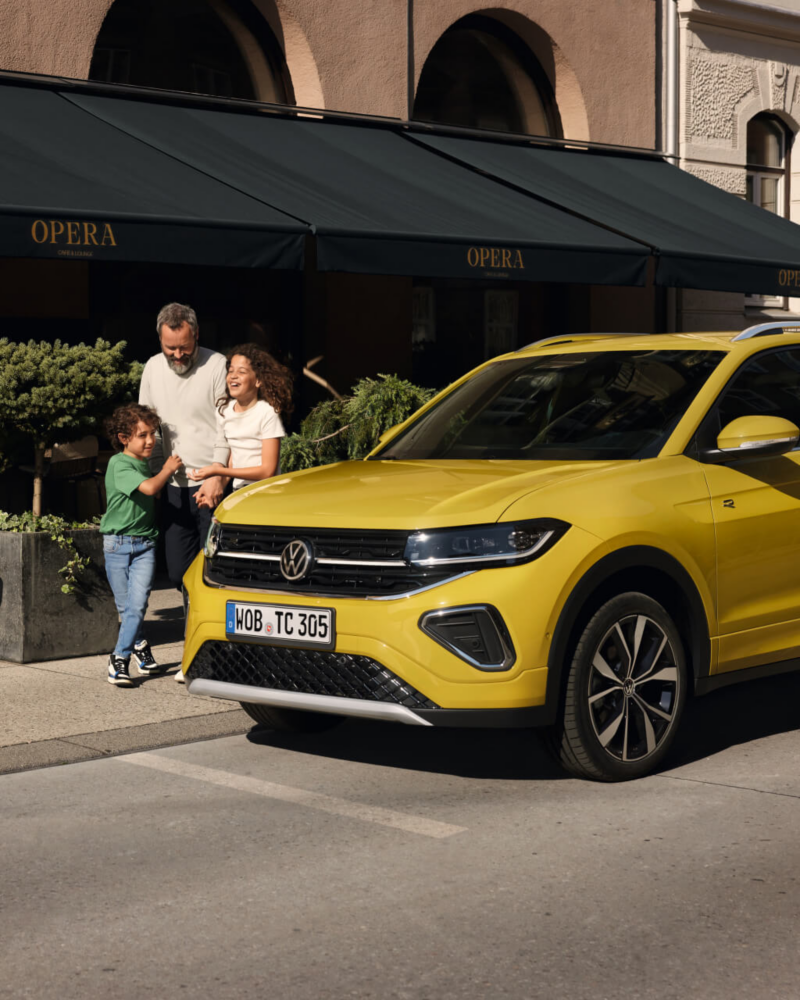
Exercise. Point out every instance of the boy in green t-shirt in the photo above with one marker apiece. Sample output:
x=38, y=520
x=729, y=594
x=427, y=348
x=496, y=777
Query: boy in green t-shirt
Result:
x=129, y=533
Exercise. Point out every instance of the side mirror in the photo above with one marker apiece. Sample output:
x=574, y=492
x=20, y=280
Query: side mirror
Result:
x=753, y=437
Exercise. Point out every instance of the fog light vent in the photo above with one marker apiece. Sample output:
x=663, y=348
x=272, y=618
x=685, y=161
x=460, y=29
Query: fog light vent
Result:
x=476, y=634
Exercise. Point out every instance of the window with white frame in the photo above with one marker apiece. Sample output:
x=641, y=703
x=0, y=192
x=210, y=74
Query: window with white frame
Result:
x=766, y=178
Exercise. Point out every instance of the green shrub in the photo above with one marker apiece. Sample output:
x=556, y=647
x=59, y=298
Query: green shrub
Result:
x=326, y=426
x=341, y=429
x=298, y=452
x=375, y=406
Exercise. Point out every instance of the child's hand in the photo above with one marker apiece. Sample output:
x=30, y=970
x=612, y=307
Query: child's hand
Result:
x=198, y=475
x=172, y=464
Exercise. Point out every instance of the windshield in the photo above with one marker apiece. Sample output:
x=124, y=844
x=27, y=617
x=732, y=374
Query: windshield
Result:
x=597, y=405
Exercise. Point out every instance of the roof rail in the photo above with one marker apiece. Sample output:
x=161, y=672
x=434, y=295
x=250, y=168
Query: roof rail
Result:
x=569, y=338
x=764, y=329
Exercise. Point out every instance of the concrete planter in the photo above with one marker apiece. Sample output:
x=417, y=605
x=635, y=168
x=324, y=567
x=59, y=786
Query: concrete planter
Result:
x=37, y=621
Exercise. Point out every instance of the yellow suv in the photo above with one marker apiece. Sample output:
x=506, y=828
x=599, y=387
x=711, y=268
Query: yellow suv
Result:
x=578, y=535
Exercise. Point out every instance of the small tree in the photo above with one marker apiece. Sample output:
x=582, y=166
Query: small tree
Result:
x=51, y=392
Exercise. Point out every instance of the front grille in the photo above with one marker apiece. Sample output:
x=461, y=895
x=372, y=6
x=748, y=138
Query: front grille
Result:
x=307, y=671
x=343, y=578
x=329, y=544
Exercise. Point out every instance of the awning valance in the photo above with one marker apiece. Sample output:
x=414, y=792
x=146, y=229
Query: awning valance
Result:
x=72, y=186
x=702, y=236
x=376, y=202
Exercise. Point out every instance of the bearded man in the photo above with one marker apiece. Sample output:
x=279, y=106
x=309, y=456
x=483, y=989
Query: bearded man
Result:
x=183, y=383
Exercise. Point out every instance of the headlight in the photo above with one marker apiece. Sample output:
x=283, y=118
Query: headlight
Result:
x=212, y=539
x=509, y=543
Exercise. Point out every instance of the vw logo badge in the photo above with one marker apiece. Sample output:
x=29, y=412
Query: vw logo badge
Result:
x=296, y=560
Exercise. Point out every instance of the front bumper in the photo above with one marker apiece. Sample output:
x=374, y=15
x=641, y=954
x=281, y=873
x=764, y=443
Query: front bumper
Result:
x=384, y=666
x=337, y=683
x=494, y=718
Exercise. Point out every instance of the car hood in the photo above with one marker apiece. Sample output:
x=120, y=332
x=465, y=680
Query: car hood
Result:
x=401, y=495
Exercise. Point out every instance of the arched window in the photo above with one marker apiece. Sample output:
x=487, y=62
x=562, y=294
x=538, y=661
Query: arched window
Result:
x=766, y=163
x=767, y=182
x=480, y=74
x=218, y=47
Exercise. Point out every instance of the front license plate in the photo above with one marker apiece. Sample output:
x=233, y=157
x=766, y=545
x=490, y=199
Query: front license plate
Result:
x=281, y=625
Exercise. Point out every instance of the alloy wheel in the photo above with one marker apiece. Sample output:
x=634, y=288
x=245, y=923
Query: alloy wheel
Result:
x=634, y=688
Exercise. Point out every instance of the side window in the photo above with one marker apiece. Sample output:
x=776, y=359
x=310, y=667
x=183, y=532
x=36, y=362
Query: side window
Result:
x=768, y=385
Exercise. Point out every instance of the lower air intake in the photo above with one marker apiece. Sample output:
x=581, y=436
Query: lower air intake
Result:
x=476, y=634
x=307, y=671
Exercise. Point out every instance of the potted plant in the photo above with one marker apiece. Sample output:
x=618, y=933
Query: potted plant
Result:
x=54, y=598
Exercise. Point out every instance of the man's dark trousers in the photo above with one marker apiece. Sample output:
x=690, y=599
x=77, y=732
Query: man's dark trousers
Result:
x=185, y=526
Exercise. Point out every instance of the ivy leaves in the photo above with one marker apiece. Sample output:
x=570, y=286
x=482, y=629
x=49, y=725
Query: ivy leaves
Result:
x=57, y=528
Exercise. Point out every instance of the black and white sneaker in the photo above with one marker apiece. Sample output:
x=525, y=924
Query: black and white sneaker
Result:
x=145, y=661
x=118, y=672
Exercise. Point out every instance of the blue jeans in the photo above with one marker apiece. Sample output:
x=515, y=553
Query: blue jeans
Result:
x=185, y=526
x=130, y=568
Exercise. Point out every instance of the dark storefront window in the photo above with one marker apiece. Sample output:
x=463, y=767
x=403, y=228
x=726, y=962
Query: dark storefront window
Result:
x=459, y=324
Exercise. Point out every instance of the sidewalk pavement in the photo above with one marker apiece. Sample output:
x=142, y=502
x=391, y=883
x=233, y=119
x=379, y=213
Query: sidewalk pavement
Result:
x=61, y=711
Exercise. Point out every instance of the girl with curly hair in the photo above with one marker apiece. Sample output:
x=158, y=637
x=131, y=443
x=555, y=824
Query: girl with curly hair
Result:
x=259, y=393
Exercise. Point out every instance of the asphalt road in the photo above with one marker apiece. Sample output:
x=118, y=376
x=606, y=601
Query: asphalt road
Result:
x=390, y=862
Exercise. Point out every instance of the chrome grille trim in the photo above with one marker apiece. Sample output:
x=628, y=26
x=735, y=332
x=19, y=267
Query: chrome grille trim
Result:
x=349, y=562
x=219, y=554
x=421, y=590
x=338, y=594
x=323, y=561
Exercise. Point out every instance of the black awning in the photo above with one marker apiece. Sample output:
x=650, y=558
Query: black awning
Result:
x=702, y=236
x=378, y=203
x=73, y=186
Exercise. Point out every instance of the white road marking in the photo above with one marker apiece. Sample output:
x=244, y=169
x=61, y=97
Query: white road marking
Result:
x=314, y=800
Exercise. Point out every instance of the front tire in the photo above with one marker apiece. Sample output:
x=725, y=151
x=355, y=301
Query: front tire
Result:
x=290, y=720
x=626, y=691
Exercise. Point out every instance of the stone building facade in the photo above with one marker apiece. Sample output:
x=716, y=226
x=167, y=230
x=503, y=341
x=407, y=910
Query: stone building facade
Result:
x=738, y=106
x=365, y=56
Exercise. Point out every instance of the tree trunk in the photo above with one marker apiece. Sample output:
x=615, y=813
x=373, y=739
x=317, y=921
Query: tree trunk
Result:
x=38, y=476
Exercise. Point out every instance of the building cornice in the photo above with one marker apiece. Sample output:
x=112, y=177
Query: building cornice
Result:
x=743, y=16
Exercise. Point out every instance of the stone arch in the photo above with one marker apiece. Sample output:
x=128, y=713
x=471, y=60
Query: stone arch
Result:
x=77, y=40
x=262, y=73
x=566, y=90
x=791, y=122
x=300, y=61
x=781, y=101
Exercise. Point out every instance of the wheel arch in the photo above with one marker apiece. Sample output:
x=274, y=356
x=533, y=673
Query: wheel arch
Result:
x=639, y=568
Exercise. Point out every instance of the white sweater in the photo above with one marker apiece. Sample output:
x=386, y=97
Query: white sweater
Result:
x=186, y=406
